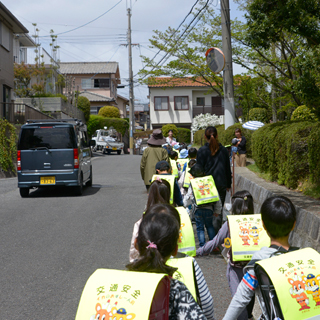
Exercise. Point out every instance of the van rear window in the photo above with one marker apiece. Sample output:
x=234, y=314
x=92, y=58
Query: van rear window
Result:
x=47, y=137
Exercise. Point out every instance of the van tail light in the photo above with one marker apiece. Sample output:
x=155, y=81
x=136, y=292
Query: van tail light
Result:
x=75, y=159
x=19, y=160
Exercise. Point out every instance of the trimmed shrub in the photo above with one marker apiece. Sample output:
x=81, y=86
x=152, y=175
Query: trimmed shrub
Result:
x=183, y=135
x=84, y=106
x=109, y=112
x=167, y=127
x=98, y=122
x=198, y=138
x=8, y=147
x=303, y=113
x=259, y=114
x=289, y=151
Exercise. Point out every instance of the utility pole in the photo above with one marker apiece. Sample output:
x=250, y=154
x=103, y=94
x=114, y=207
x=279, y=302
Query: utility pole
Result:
x=229, y=109
x=131, y=96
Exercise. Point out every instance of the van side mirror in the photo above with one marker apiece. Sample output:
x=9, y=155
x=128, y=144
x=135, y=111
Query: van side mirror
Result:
x=92, y=143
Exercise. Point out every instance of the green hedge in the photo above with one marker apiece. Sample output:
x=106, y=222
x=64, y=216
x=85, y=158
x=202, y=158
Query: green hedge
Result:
x=8, y=147
x=259, y=114
x=289, y=151
x=98, y=122
x=167, y=127
x=198, y=138
x=183, y=135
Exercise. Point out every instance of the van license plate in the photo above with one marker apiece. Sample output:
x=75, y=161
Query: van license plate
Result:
x=47, y=180
x=114, y=148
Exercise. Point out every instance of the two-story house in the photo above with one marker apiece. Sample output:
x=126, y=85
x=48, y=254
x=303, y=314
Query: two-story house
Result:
x=179, y=100
x=98, y=82
x=9, y=27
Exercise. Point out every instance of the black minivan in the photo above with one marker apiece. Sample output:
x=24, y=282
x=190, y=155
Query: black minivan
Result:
x=54, y=153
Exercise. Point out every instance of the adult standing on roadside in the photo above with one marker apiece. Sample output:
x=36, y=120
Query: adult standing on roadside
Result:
x=170, y=139
x=152, y=155
x=214, y=158
x=241, y=155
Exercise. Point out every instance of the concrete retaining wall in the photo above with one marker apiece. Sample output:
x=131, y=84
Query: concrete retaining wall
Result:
x=307, y=230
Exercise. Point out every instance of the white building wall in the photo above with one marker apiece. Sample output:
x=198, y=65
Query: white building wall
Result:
x=171, y=115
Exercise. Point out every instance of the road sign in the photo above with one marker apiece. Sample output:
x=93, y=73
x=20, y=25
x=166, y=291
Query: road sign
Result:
x=215, y=60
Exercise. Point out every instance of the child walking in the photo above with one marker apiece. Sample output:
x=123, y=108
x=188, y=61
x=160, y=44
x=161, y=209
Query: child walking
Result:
x=159, y=192
x=156, y=242
x=242, y=203
x=278, y=217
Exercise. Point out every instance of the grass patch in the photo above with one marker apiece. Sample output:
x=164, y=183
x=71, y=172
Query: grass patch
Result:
x=306, y=187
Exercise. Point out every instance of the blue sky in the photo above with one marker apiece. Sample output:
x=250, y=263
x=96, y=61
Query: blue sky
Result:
x=101, y=40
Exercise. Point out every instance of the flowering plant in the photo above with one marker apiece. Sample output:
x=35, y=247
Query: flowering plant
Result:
x=202, y=121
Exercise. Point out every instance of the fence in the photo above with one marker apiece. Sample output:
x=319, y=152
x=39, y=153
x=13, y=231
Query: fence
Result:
x=18, y=113
x=218, y=111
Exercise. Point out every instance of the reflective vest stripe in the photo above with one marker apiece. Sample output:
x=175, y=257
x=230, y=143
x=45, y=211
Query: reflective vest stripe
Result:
x=187, y=178
x=174, y=167
x=185, y=273
x=186, y=242
x=168, y=177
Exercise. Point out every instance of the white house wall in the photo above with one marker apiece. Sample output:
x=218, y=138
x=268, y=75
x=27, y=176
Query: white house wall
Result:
x=176, y=116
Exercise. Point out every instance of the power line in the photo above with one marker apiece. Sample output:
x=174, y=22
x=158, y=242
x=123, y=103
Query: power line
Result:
x=88, y=22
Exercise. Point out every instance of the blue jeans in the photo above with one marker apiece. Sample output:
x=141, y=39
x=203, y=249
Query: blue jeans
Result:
x=203, y=218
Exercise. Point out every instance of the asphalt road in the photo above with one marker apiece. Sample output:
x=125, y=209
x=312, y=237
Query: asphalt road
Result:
x=53, y=241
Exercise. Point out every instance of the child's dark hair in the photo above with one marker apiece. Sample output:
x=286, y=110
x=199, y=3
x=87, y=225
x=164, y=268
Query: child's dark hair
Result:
x=163, y=166
x=159, y=192
x=278, y=215
x=173, y=155
x=183, y=146
x=191, y=163
x=192, y=152
x=160, y=228
x=211, y=134
x=242, y=203
x=197, y=171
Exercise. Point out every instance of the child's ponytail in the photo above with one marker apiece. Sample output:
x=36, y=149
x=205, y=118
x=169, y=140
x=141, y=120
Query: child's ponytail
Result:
x=211, y=134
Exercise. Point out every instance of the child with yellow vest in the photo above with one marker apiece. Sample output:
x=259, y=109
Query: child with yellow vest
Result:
x=242, y=203
x=208, y=204
x=279, y=218
x=156, y=242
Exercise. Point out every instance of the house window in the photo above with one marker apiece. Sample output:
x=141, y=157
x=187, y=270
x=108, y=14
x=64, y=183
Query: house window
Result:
x=216, y=101
x=161, y=103
x=102, y=83
x=5, y=36
x=200, y=101
x=95, y=83
x=181, y=103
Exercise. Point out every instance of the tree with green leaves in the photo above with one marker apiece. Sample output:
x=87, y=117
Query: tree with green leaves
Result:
x=84, y=106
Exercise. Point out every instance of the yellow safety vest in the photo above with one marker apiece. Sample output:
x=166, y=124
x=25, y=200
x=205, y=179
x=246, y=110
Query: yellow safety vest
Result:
x=174, y=167
x=185, y=273
x=187, y=178
x=247, y=236
x=168, y=177
x=186, y=242
x=296, y=279
x=182, y=162
x=204, y=190
x=117, y=293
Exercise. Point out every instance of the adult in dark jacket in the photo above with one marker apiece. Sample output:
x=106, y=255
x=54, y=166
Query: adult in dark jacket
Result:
x=214, y=158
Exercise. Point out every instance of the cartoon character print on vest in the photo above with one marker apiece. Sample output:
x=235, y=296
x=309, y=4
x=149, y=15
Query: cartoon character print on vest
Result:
x=180, y=233
x=244, y=235
x=254, y=235
x=312, y=287
x=107, y=312
x=297, y=291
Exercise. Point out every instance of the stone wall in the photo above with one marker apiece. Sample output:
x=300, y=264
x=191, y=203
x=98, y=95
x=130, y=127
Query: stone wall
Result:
x=307, y=230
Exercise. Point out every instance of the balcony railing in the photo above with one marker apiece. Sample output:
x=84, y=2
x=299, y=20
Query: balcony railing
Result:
x=18, y=113
x=219, y=111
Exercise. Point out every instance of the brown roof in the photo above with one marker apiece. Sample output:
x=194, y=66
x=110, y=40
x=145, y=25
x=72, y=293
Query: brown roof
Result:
x=160, y=82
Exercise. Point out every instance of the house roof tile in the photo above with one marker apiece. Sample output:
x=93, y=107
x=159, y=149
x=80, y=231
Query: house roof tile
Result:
x=88, y=67
x=162, y=82
x=94, y=97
